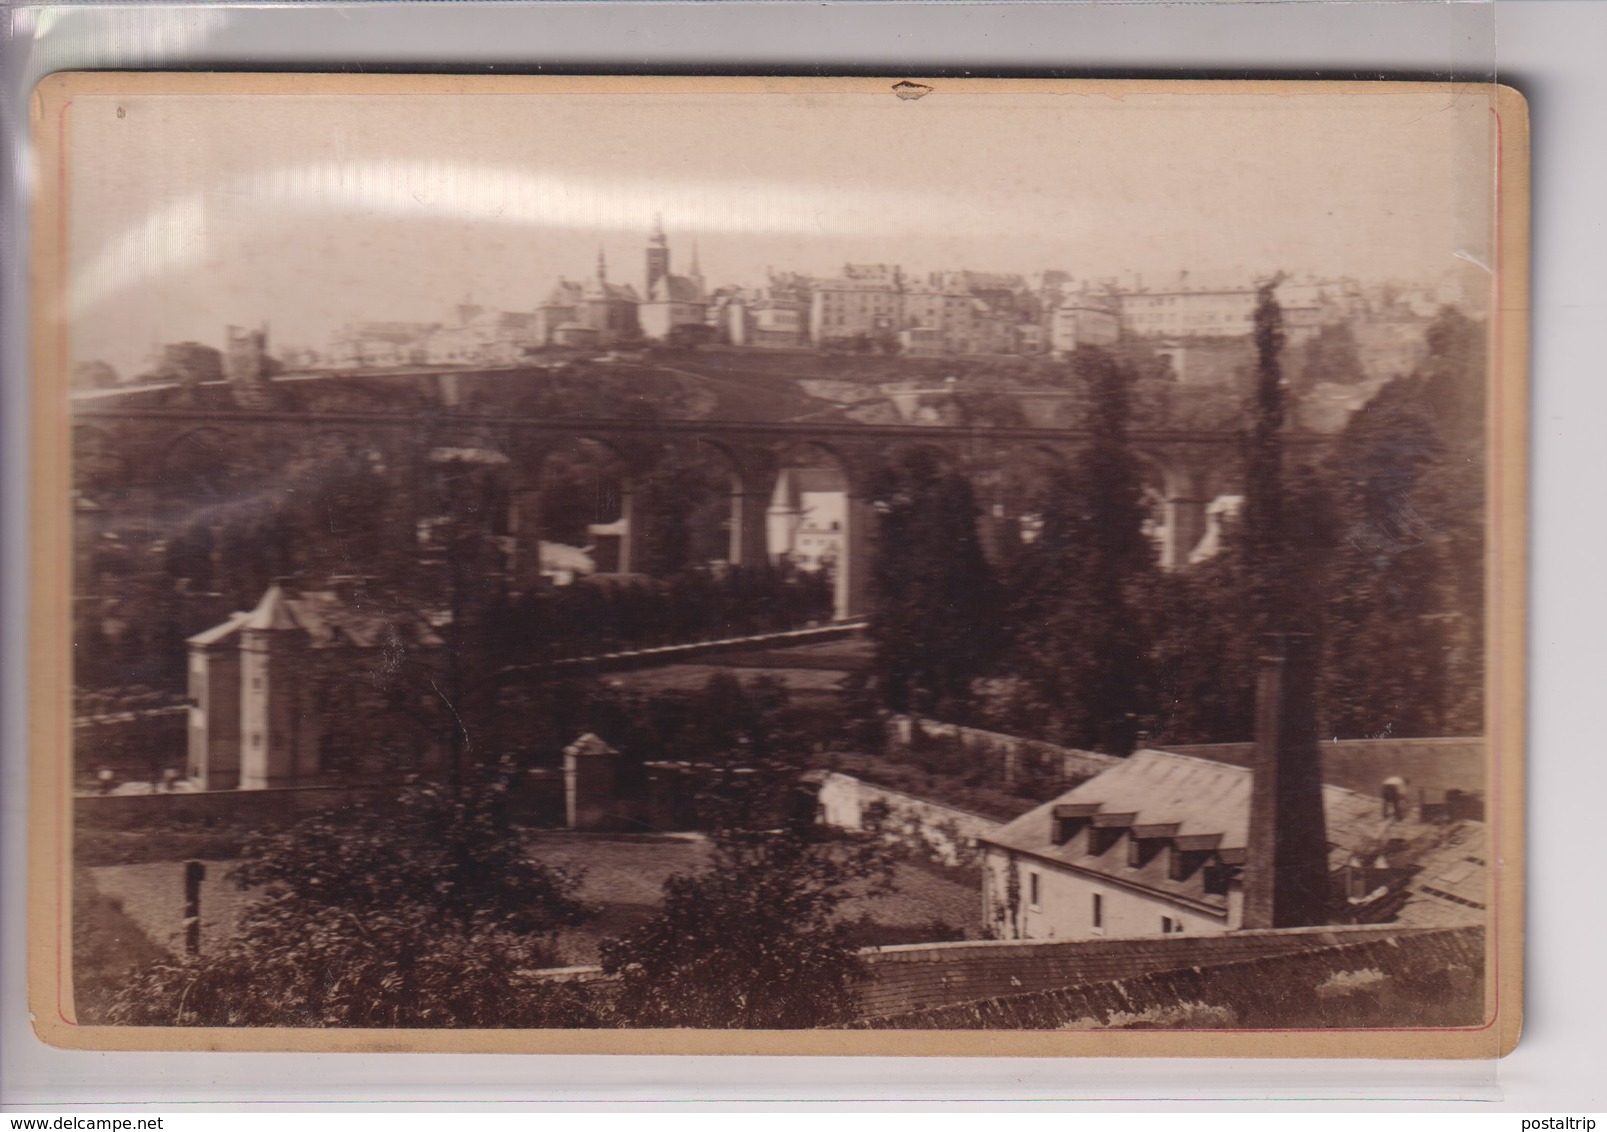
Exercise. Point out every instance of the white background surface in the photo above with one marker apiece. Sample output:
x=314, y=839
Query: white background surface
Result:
x=1550, y=49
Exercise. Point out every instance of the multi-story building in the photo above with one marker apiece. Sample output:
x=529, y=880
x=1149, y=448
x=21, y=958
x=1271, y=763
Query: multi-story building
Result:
x=1083, y=318
x=1196, y=307
x=608, y=309
x=1179, y=310
x=362, y=344
x=1003, y=292
x=561, y=307
x=484, y=337
x=807, y=517
x=778, y=314
x=864, y=303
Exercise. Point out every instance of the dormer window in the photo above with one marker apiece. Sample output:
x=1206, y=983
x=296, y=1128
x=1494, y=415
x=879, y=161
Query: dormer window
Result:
x=1101, y=839
x=1107, y=830
x=1069, y=819
x=1185, y=863
x=1148, y=840
x=1063, y=830
x=1142, y=850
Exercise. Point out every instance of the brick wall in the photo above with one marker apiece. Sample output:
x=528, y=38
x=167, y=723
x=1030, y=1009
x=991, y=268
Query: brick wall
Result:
x=1404, y=977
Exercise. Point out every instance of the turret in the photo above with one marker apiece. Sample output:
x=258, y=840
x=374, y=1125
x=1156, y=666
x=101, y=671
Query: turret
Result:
x=278, y=728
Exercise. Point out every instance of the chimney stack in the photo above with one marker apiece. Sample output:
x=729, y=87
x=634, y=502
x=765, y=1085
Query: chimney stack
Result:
x=1286, y=867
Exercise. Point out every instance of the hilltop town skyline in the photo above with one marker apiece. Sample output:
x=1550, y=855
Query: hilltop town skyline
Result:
x=1043, y=291
x=191, y=216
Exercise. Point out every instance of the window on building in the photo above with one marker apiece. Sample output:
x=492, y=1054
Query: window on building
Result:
x=1099, y=911
x=1033, y=889
x=1167, y=927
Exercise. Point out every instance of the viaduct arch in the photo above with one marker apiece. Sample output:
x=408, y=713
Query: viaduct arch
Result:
x=1192, y=467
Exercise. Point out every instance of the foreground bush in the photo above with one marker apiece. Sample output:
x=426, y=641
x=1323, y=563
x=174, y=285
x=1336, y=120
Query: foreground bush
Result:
x=424, y=913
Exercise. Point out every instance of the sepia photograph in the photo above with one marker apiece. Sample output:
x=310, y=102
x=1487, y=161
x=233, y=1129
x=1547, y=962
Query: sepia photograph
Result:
x=909, y=565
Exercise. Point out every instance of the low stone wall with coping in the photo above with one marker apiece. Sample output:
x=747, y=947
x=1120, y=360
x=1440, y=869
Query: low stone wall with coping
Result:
x=944, y=833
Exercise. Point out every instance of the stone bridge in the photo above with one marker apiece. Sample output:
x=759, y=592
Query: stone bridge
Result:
x=1185, y=470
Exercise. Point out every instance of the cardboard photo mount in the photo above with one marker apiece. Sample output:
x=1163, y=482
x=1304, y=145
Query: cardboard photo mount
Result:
x=50, y=652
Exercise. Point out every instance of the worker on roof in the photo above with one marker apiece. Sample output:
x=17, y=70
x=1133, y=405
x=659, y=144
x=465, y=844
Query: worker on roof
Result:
x=1394, y=794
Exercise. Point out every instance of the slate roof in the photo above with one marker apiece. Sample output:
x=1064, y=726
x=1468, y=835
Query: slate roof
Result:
x=912, y=977
x=273, y=612
x=222, y=631
x=1201, y=797
x=327, y=621
x=675, y=289
x=564, y=294
x=1450, y=884
x=1431, y=765
x=1210, y=801
x=618, y=292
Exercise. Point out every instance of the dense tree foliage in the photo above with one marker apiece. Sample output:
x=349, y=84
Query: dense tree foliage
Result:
x=607, y=613
x=94, y=375
x=1081, y=645
x=935, y=609
x=1331, y=356
x=755, y=941
x=419, y=914
x=1378, y=547
x=1406, y=607
x=682, y=516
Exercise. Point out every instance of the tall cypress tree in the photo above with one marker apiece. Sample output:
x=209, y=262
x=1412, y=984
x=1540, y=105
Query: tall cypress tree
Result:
x=935, y=615
x=1081, y=645
x=1265, y=552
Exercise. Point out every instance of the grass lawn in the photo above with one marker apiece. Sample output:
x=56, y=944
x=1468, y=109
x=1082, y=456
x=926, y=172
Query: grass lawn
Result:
x=151, y=894
x=695, y=677
x=107, y=945
x=626, y=877
x=623, y=876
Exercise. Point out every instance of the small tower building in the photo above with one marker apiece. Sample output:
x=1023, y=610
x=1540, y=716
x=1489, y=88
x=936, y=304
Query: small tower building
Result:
x=279, y=728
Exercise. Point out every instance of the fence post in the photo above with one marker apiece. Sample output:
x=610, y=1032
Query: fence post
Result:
x=194, y=874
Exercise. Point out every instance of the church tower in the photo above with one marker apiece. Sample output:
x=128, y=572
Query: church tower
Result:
x=658, y=255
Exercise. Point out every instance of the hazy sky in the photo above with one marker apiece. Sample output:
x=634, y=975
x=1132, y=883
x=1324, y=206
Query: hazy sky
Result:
x=190, y=212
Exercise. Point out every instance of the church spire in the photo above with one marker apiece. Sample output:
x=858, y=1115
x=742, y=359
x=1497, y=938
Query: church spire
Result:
x=602, y=266
x=697, y=274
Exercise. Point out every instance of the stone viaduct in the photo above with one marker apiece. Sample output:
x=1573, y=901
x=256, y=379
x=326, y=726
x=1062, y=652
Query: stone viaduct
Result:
x=1186, y=469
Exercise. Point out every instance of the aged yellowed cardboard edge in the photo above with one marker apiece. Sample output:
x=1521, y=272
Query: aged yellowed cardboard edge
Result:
x=50, y=653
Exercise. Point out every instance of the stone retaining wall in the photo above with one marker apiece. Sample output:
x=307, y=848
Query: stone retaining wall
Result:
x=944, y=833
x=1016, y=757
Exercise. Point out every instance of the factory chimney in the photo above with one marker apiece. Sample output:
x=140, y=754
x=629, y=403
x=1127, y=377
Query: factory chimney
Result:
x=1286, y=866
